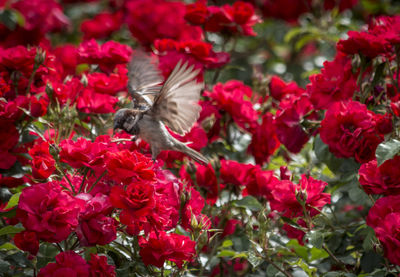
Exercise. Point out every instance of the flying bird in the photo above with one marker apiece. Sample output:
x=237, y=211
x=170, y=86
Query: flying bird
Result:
x=156, y=105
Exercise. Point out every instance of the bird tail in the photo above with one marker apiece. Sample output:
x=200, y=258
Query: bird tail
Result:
x=181, y=147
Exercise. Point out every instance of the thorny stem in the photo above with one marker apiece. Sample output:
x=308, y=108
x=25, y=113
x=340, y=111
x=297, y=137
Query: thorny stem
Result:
x=282, y=270
x=97, y=180
x=335, y=258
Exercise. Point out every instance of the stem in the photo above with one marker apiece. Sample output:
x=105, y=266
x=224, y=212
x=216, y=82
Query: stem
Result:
x=83, y=179
x=35, y=68
x=334, y=258
x=59, y=247
x=282, y=270
x=97, y=180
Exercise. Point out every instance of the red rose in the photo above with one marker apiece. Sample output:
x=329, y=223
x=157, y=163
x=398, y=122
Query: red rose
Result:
x=38, y=107
x=336, y=82
x=289, y=116
x=384, y=179
x=233, y=97
x=67, y=264
x=264, y=140
x=158, y=19
x=279, y=89
x=27, y=241
x=94, y=226
x=285, y=9
x=350, y=131
x=48, y=211
x=295, y=233
x=83, y=152
x=92, y=102
x=136, y=201
x=8, y=140
x=192, y=208
x=102, y=25
x=384, y=218
x=286, y=196
x=196, y=13
x=99, y=266
x=67, y=58
x=107, y=55
x=364, y=43
x=126, y=166
x=68, y=91
x=171, y=247
x=43, y=164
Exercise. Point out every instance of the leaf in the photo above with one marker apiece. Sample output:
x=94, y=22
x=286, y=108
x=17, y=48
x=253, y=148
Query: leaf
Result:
x=317, y=254
x=300, y=250
x=254, y=259
x=316, y=238
x=226, y=253
x=13, y=201
x=387, y=150
x=227, y=243
x=371, y=260
x=248, y=202
x=10, y=229
x=8, y=246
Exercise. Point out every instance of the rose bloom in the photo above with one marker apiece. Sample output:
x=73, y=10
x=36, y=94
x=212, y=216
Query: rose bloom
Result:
x=157, y=19
x=126, y=166
x=336, y=82
x=27, y=241
x=383, y=179
x=384, y=218
x=264, y=140
x=67, y=264
x=102, y=25
x=285, y=196
x=171, y=247
x=95, y=227
x=292, y=111
x=136, y=201
x=233, y=98
x=99, y=266
x=43, y=164
x=349, y=129
x=48, y=211
x=280, y=89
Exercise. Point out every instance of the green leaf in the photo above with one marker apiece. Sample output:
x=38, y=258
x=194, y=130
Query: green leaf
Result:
x=226, y=253
x=254, y=259
x=227, y=243
x=387, y=150
x=371, y=260
x=316, y=238
x=13, y=201
x=317, y=254
x=300, y=250
x=248, y=202
x=10, y=229
x=8, y=246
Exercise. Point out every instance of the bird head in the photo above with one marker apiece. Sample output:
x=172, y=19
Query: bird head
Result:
x=121, y=116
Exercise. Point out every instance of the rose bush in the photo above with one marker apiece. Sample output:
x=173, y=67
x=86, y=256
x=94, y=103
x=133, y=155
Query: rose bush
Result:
x=300, y=122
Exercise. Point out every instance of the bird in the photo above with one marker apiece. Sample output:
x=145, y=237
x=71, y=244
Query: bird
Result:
x=155, y=105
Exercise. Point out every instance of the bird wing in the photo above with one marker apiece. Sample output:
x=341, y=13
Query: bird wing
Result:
x=144, y=79
x=176, y=105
